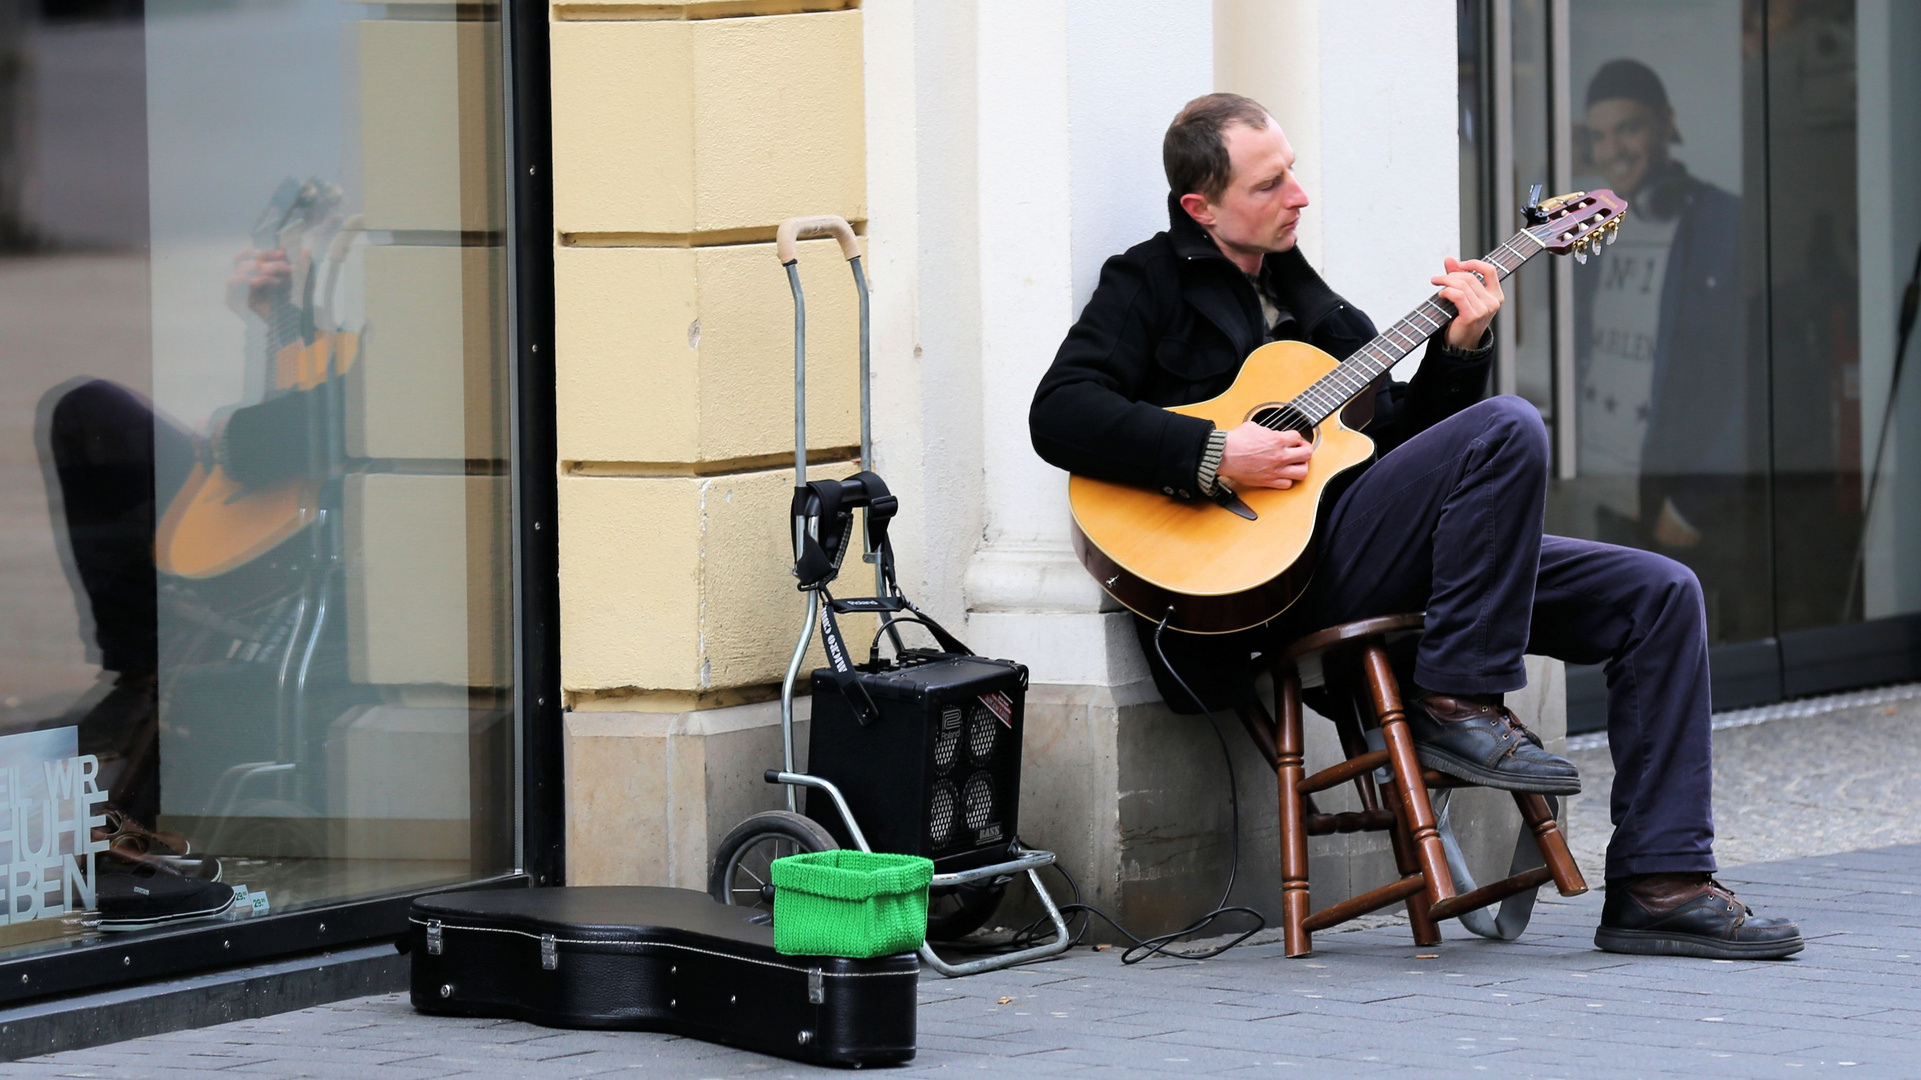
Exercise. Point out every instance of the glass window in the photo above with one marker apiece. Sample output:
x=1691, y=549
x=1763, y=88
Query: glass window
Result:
x=1724, y=382
x=1669, y=421
x=1886, y=43
x=255, y=644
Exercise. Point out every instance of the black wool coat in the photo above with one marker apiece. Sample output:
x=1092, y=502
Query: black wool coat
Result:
x=1170, y=323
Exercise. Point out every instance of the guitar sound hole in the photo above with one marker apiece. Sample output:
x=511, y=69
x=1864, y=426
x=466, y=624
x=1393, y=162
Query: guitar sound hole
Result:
x=1284, y=418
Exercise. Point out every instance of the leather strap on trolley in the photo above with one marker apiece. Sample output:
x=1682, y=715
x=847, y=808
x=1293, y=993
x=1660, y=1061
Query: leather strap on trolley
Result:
x=823, y=519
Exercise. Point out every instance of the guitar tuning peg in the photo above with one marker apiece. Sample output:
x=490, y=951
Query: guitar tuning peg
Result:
x=1614, y=227
x=1580, y=253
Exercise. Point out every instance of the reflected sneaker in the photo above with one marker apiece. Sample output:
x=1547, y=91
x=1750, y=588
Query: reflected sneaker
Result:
x=1479, y=740
x=145, y=896
x=1689, y=915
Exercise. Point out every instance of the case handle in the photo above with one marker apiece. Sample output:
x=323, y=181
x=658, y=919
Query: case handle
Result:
x=795, y=229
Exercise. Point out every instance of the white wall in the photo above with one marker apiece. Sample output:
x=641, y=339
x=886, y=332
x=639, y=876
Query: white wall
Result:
x=926, y=310
x=1131, y=66
x=1015, y=146
x=1367, y=94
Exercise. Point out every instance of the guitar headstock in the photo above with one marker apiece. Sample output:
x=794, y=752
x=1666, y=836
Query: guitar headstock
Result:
x=1578, y=222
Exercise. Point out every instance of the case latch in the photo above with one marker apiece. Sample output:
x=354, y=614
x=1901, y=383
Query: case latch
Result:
x=816, y=993
x=549, y=954
x=433, y=937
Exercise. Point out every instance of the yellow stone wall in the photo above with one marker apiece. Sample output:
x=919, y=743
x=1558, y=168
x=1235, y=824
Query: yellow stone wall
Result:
x=683, y=135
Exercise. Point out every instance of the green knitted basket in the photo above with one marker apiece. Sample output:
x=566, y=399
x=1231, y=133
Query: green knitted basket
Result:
x=850, y=903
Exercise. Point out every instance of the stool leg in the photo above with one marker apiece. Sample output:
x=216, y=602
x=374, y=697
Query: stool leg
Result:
x=1417, y=811
x=1289, y=771
x=1547, y=837
x=1423, y=926
x=1353, y=743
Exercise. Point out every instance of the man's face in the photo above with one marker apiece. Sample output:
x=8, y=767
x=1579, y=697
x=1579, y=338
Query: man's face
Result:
x=1261, y=207
x=1627, y=140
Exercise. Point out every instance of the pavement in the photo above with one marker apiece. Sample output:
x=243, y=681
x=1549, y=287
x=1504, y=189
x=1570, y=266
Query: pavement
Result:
x=1368, y=1003
x=1809, y=777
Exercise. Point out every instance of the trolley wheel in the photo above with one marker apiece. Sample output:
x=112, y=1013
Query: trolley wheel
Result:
x=962, y=909
x=741, y=876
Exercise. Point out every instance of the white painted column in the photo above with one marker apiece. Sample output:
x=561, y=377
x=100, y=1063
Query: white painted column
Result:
x=1073, y=98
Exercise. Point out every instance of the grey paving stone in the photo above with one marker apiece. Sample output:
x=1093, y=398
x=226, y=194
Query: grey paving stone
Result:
x=1364, y=1005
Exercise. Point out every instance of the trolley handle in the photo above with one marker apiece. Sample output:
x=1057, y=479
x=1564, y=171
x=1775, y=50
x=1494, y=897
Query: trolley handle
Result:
x=795, y=229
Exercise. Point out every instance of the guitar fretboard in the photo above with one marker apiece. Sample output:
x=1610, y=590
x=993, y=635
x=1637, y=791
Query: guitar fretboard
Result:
x=1338, y=387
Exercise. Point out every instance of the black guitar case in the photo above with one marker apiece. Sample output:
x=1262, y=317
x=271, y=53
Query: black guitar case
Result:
x=649, y=959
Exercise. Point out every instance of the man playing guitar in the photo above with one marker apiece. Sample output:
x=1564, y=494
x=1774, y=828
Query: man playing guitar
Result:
x=1448, y=520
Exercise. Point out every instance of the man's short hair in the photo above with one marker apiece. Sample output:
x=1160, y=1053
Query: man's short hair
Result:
x=1194, y=150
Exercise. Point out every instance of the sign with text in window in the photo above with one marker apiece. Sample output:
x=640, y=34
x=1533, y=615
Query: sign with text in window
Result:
x=50, y=798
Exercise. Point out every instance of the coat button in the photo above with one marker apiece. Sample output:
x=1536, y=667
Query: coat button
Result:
x=1185, y=495
x=1167, y=491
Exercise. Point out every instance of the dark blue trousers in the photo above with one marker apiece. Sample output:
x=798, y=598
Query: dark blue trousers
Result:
x=1451, y=522
x=115, y=462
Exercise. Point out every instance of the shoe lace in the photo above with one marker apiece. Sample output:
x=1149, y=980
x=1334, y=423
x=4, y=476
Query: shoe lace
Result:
x=1506, y=715
x=1715, y=886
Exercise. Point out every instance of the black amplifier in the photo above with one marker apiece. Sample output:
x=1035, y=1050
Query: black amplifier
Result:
x=938, y=772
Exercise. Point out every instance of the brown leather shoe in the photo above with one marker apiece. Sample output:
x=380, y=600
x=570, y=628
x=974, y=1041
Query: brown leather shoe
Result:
x=1689, y=915
x=131, y=844
x=123, y=833
x=1478, y=739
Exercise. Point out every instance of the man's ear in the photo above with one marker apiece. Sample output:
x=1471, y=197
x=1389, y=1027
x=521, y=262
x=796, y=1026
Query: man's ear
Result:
x=1197, y=208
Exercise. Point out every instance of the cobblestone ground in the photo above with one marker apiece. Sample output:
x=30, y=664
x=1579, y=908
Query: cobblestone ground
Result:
x=1797, y=797
x=1806, y=778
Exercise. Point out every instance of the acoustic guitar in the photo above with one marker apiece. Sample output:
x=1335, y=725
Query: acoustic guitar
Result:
x=1239, y=560
x=217, y=523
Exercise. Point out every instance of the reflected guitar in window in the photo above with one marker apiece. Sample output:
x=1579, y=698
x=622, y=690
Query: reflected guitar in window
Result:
x=259, y=482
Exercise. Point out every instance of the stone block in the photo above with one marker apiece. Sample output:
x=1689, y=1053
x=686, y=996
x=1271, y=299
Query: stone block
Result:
x=651, y=795
x=686, y=355
x=431, y=155
x=682, y=583
x=430, y=383
x=673, y=127
x=428, y=598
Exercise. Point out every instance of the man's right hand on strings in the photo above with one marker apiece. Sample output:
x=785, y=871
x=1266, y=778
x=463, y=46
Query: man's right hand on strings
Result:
x=1256, y=456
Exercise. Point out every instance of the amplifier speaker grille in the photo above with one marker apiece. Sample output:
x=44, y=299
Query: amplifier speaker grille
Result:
x=938, y=772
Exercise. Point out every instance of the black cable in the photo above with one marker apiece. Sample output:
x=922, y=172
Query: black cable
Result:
x=1158, y=944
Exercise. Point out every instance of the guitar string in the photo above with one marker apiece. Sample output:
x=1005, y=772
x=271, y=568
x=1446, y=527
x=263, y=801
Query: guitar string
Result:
x=1333, y=390
x=1337, y=387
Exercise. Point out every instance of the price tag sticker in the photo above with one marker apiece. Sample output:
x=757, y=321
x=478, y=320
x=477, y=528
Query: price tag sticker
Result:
x=1001, y=706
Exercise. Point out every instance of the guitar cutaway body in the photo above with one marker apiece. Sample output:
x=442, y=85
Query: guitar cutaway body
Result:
x=1218, y=571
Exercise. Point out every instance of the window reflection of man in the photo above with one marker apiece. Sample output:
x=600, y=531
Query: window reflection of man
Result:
x=119, y=464
x=1663, y=394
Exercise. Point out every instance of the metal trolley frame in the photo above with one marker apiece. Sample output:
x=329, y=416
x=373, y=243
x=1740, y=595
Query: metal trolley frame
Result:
x=1022, y=860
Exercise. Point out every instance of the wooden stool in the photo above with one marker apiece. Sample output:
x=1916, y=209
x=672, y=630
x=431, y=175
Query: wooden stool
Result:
x=1353, y=660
